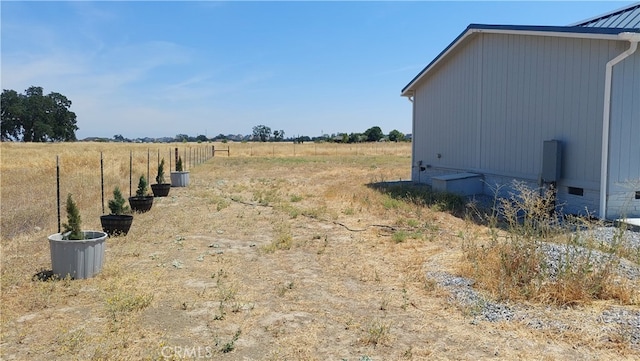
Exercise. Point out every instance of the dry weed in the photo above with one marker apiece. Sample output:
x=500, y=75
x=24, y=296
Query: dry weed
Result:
x=515, y=263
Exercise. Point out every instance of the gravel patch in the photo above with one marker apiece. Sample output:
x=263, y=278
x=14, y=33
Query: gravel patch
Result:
x=559, y=256
x=626, y=322
x=463, y=294
x=612, y=236
x=618, y=320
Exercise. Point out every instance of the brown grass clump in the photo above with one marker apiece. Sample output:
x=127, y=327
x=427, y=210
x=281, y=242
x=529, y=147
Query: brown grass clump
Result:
x=514, y=264
x=267, y=255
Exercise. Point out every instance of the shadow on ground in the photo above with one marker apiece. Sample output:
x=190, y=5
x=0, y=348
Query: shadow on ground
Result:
x=422, y=194
x=44, y=275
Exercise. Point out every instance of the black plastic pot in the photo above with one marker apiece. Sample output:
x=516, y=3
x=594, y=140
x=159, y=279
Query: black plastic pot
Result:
x=115, y=225
x=161, y=190
x=141, y=204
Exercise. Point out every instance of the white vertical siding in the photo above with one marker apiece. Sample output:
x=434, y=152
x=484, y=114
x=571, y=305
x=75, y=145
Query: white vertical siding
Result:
x=541, y=88
x=489, y=106
x=625, y=120
x=516, y=91
x=446, y=113
x=624, y=145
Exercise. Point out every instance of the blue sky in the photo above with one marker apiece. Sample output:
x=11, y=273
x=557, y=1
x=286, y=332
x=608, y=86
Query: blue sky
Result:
x=140, y=68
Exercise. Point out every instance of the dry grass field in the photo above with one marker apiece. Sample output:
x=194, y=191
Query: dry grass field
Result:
x=275, y=252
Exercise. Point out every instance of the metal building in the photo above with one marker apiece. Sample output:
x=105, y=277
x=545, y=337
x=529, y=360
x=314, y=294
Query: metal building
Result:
x=546, y=105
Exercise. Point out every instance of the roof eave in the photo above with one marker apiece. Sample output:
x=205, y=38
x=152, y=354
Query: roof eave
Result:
x=557, y=31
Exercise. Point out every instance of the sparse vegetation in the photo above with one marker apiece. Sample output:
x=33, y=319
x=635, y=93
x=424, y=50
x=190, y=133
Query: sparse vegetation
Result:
x=399, y=236
x=70, y=341
x=231, y=345
x=421, y=196
x=121, y=303
x=315, y=276
x=538, y=257
x=283, y=239
x=376, y=333
x=282, y=290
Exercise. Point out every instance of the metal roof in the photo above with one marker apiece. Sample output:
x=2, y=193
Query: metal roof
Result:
x=627, y=17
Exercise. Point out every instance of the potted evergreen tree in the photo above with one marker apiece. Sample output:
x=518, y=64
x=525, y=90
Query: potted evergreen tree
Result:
x=179, y=178
x=118, y=222
x=74, y=252
x=142, y=201
x=160, y=189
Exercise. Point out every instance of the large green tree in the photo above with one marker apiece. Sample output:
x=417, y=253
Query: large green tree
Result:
x=11, y=109
x=261, y=132
x=374, y=134
x=396, y=136
x=278, y=135
x=35, y=117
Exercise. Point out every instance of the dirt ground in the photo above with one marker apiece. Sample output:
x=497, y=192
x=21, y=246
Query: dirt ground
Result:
x=278, y=259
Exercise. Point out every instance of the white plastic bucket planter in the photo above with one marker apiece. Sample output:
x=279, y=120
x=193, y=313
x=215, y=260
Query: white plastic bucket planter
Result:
x=77, y=258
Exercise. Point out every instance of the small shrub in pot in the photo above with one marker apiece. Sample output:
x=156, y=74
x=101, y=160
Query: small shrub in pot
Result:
x=76, y=253
x=179, y=178
x=142, y=201
x=160, y=189
x=119, y=221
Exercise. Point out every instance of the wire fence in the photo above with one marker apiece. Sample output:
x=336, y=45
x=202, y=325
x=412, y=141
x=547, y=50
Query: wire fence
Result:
x=35, y=175
x=288, y=149
x=189, y=156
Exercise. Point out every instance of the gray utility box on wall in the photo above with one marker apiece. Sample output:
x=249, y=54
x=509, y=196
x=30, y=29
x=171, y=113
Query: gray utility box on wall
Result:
x=465, y=184
x=551, y=160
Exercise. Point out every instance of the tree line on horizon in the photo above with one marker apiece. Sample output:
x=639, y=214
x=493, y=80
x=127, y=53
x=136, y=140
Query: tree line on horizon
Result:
x=374, y=134
x=35, y=117
x=263, y=133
